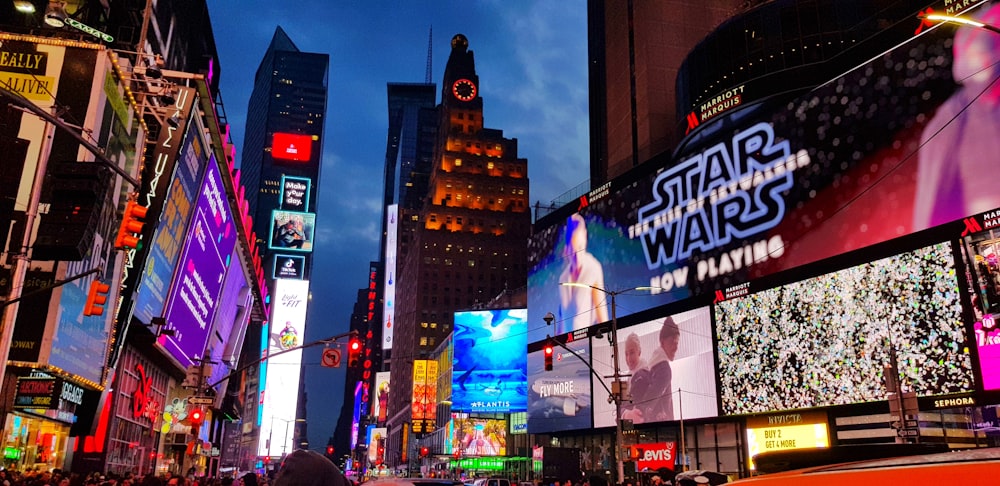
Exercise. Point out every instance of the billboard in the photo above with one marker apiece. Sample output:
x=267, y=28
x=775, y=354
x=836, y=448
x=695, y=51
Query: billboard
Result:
x=292, y=231
x=295, y=193
x=981, y=255
x=825, y=341
x=291, y=146
x=389, y=304
x=381, y=396
x=489, y=364
x=376, y=444
x=205, y=257
x=671, y=370
x=560, y=399
x=288, y=322
x=786, y=431
x=424, y=398
x=289, y=266
x=652, y=456
x=782, y=184
x=171, y=229
x=475, y=436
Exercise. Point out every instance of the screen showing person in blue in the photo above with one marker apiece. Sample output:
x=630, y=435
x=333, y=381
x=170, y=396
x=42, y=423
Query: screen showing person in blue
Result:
x=490, y=361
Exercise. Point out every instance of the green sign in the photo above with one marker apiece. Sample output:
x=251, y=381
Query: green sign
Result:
x=11, y=453
x=482, y=463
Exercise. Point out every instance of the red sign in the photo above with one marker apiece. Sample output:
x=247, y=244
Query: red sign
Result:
x=290, y=146
x=143, y=403
x=656, y=455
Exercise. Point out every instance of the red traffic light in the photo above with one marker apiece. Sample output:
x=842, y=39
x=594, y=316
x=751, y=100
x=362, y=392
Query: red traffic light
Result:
x=96, y=297
x=424, y=452
x=131, y=225
x=548, y=351
x=329, y=450
x=353, y=352
x=196, y=417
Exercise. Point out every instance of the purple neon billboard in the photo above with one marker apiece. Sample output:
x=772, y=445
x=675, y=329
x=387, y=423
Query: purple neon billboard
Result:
x=201, y=272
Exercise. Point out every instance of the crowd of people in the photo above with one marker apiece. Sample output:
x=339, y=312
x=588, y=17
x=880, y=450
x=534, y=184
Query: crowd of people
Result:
x=300, y=468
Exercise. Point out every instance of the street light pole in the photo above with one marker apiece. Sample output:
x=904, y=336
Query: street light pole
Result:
x=618, y=391
x=616, y=388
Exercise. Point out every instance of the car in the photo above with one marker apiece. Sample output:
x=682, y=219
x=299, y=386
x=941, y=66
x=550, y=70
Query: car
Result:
x=413, y=482
x=492, y=482
x=970, y=467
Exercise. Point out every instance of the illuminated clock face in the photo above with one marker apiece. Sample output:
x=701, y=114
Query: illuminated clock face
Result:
x=464, y=89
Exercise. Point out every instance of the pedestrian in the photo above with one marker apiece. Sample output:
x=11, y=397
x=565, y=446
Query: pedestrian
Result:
x=309, y=468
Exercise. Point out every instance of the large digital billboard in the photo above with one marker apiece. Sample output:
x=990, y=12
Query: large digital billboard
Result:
x=560, y=399
x=205, y=257
x=291, y=146
x=981, y=255
x=826, y=340
x=281, y=392
x=171, y=229
x=489, y=365
x=423, y=401
x=381, y=403
x=896, y=145
x=292, y=231
x=389, y=300
x=671, y=368
x=475, y=436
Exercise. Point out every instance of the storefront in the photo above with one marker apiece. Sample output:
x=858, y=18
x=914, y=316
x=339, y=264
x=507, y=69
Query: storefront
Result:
x=37, y=431
x=138, y=412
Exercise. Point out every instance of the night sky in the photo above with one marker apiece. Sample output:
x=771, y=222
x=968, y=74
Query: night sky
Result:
x=531, y=58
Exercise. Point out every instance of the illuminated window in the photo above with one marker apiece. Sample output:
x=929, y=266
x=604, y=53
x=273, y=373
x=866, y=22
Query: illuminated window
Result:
x=434, y=325
x=423, y=325
x=489, y=165
x=458, y=162
x=423, y=341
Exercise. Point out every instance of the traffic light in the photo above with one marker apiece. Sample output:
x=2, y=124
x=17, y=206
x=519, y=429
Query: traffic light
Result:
x=424, y=452
x=548, y=351
x=131, y=225
x=329, y=451
x=353, y=352
x=196, y=417
x=96, y=297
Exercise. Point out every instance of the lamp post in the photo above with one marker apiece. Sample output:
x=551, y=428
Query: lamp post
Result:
x=617, y=389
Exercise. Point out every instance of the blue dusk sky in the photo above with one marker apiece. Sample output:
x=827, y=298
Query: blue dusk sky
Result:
x=531, y=57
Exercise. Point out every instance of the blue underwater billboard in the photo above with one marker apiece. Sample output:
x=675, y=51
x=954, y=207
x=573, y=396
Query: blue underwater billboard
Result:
x=490, y=361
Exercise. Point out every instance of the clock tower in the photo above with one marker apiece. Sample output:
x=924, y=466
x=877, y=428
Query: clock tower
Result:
x=466, y=244
x=461, y=84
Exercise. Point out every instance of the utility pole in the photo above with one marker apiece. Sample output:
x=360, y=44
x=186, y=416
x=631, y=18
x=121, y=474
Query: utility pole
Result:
x=21, y=259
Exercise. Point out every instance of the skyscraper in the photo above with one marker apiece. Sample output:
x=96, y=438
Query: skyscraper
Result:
x=280, y=169
x=467, y=241
x=636, y=48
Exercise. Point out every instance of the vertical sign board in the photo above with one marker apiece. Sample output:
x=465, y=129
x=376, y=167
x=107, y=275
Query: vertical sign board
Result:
x=295, y=193
x=381, y=396
x=206, y=256
x=389, y=302
x=171, y=229
x=288, y=321
x=417, y=412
